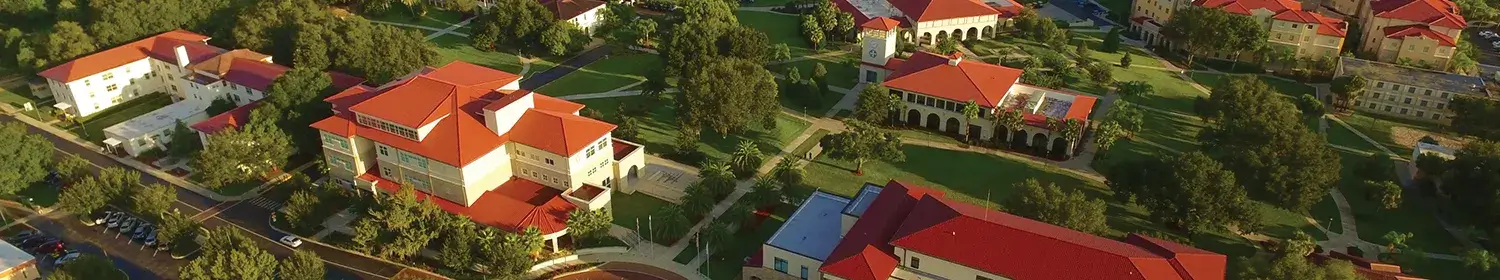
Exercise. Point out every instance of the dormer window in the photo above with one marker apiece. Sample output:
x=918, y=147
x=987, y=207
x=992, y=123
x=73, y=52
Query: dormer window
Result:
x=388, y=127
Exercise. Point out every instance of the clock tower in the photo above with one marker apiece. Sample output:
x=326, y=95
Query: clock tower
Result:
x=879, y=37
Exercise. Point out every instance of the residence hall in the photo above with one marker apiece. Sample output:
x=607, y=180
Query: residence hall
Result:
x=1410, y=93
x=1289, y=26
x=467, y=138
x=930, y=21
x=1417, y=32
x=936, y=87
x=905, y=231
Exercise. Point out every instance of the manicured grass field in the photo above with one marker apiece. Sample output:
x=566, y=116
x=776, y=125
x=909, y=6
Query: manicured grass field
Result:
x=765, y=3
x=780, y=29
x=843, y=71
x=1339, y=135
x=1415, y=214
x=1326, y=212
x=629, y=208
x=1288, y=88
x=19, y=94
x=1379, y=129
x=452, y=47
x=1174, y=131
x=1170, y=91
x=434, y=18
x=93, y=126
x=1440, y=269
x=725, y=262
x=618, y=70
x=660, y=127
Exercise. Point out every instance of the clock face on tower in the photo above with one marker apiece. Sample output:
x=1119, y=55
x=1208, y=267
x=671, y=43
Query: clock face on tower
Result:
x=874, y=53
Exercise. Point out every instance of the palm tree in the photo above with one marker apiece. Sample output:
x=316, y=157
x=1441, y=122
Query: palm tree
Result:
x=746, y=158
x=1009, y=120
x=1053, y=125
x=1072, y=129
x=970, y=111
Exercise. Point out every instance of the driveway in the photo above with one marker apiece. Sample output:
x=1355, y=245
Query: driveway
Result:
x=1073, y=7
x=579, y=61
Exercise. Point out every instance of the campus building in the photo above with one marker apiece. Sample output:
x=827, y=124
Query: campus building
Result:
x=98, y=81
x=1366, y=268
x=16, y=264
x=1409, y=92
x=1420, y=32
x=584, y=13
x=929, y=21
x=905, y=231
x=935, y=89
x=471, y=138
x=1288, y=25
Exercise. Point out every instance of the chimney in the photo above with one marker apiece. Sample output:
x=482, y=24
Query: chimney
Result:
x=182, y=58
x=955, y=58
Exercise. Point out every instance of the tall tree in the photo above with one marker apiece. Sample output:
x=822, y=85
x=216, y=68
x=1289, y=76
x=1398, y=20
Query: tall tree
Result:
x=745, y=42
x=228, y=255
x=590, y=224
x=299, y=209
x=66, y=41
x=459, y=250
x=1052, y=205
x=812, y=31
x=1208, y=31
x=562, y=38
x=863, y=142
x=24, y=158
x=303, y=265
x=875, y=104
x=1105, y=135
x=1475, y=116
x=72, y=168
x=185, y=141
x=153, y=200
x=1263, y=140
x=1111, y=41
x=1007, y=120
x=116, y=22
x=1348, y=88
x=1133, y=88
x=728, y=95
x=175, y=226
x=1479, y=261
x=746, y=159
x=1471, y=183
x=1189, y=191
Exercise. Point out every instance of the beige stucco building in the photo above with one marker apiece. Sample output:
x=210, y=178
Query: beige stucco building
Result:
x=470, y=137
x=1408, y=92
x=904, y=231
x=1418, y=32
x=1303, y=33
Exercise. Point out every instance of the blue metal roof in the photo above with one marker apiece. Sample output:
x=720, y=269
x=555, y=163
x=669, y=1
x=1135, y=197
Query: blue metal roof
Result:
x=862, y=200
x=814, y=229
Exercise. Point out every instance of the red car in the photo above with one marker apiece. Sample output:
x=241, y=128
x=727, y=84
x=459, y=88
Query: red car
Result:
x=49, y=248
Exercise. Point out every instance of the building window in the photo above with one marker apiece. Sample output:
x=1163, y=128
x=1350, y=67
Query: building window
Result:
x=911, y=98
x=549, y=161
x=411, y=159
x=589, y=153
x=384, y=151
x=1421, y=114
x=1403, y=111
x=1379, y=85
x=110, y=75
x=1427, y=93
x=1357, y=103
x=1396, y=87
x=1372, y=106
x=341, y=143
x=1411, y=90
x=1387, y=108
x=340, y=162
x=1424, y=103
x=605, y=183
x=387, y=171
x=1437, y=116
x=804, y=272
x=780, y=265
x=1441, y=105
x=869, y=76
x=916, y=263
x=1407, y=100
x=112, y=87
x=1377, y=95
x=1445, y=95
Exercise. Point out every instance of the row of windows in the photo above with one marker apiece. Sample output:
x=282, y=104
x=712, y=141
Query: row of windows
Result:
x=590, y=152
x=388, y=127
x=1409, y=89
x=781, y=264
x=341, y=163
x=1400, y=111
x=936, y=102
x=336, y=141
x=541, y=177
x=1408, y=100
x=534, y=157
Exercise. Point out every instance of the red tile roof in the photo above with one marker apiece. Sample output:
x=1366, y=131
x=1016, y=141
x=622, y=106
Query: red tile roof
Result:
x=1403, y=31
x=930, y=10
x=1368, y=269
x=512, y=206
x=569, y=9
x=1432, y=12
x=228, y=119
x=1326, y=25
x=1082, y=106
x=1020, y=248
x=220, y=64
x=455, y=97
x=1287, y=10
x=1192, y=262
x=253, y=74
x=930, y=74
x=881, y=23
x=865, y=252
x=162, y=47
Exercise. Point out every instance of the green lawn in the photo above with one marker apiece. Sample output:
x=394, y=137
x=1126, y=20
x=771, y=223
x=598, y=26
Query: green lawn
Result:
x=1288, y=88
x=1281, y=223
x=660, y=127
x=452, y=47
x=803, y=105
x=1339, y=135
x=780, y=29
x=93, y=125
x=1439, y=269
x=20, y=94
x=812, y=140
x=1415, y=214
x=766, y=3
x=433, y=18
x=843, y=70
x=725, y=262
x=629, y=208
x=40, y=193
x=1174, y=131
x=618, y=70
x=1170, y=91
x=1379, y=129
x=1326, y=212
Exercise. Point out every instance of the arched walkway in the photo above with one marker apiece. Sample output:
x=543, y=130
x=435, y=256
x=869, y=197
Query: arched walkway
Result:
x=1018, y=139
x=1000, y=137
x=913, y=118
x=975, y=132
x=988, y=32
x=1039, y=142
x=951, y=126
x=1059, y=148
x=942, y=35
x=926, y=38
x=932, y=121
x=958, y=34
x=973, y=33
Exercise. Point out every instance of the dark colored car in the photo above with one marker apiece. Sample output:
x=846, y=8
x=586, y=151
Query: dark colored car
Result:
x=46, y=246
x=21, y=236
x=50, y=249
x=36, y=241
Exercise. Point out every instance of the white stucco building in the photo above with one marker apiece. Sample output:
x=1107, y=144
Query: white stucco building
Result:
x=103, y=79
x=928, y=21
x=468, y=136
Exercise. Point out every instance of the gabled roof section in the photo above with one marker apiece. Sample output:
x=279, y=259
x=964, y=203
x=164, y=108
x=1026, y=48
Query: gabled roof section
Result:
x=1245, y=7
x=229, y=119
x=254, y=74
x=559, y=133
x=513, y=206
x=467, y=74
x=1326, y=25
x=1432, y=12
x=865, y=252
x=220, y=64
x=930, y=10
x=882, y=24
x=1193, y=262
x=569, y=9
x=1415, y=30
x=930, y=74
x=429, y=96
x=1020, y=248
x=161, y=46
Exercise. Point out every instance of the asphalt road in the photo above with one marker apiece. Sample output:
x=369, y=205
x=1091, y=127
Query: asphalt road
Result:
x=572, y=64
x=252, y=220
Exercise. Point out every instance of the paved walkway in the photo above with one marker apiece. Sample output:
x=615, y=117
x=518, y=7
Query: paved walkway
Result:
x=597, y=50
x=436, y=31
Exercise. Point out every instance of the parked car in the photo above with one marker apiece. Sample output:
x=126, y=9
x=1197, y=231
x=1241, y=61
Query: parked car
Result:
x=128, y=224
x=1488, y=34
x=22, y=236
x=292, y=241
x=66, y=258
x=36, y=241
x=143, y=230
x=43, y=246
x=151, y=238
x=50, y=249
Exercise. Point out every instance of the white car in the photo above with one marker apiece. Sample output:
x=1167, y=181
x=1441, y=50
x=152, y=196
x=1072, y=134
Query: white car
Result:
x=1488, y=34
x=292, y=241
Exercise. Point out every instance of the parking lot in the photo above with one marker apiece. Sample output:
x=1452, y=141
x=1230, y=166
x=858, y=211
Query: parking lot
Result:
x=1489, y=53
x=137, y=260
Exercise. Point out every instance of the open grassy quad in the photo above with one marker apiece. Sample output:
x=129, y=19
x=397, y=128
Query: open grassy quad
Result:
x=725, y=262
x=434, y=18
x=1171, y=92
x=453, y=47
x=1174, y=131
x=660, y=127
x=1288, y=88
x=628, y=209
x=92, y=127
x=1397, y=135
x=843, y=70
x=780, y=29
x=19, y=93
x=1415, y=214
x=1339, y=135
x=617, y=70
x=765, y=3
